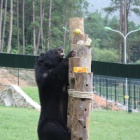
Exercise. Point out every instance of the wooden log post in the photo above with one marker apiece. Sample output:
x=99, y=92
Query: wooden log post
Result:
x=80, y=91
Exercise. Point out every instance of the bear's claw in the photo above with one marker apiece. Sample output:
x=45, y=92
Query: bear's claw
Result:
x=72, y=53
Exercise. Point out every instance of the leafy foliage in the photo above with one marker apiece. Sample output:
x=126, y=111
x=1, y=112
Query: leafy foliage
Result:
x=105, y=55
x=106, y=43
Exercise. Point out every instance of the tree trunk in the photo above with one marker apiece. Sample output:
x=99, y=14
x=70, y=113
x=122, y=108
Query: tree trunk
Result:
x=39, y=34
x=41, y=25
x=80, y=94
x=121, y=30
x=76, y=23
x=38, y=39
x=23, y=27
x=49, y=26
x=125, y=17
x=71, y=8
x=1, y=7
x=4, y=23
x=11, y=27
x=66, y=24
x=18, y=26
x=34, y=30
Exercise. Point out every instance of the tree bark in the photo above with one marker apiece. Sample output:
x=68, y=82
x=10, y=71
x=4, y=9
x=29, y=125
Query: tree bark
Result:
x=83, y=52
x=4, y=24
x=23, y=27
x=75, y=62
x=1, y=7
x=76, y=23
x=38, y=39
x=66, y=24
x=34, y=30
x=125, y=18
x=39, y=34
x=11, y=27
x=121, y=30
x=41, y=25
x=80, y=94
x=49, y=26
x=18, y=26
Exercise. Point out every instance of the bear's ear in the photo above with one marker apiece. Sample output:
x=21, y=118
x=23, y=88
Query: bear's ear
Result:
x=40, y=59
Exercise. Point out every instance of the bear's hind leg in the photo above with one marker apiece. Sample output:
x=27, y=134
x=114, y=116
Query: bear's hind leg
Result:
x=52, y=131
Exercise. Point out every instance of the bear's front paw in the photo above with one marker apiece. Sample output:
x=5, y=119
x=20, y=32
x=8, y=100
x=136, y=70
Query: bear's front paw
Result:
x=72, y=54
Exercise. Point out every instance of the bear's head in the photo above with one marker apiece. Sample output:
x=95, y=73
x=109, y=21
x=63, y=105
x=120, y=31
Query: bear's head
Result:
x=51, y=58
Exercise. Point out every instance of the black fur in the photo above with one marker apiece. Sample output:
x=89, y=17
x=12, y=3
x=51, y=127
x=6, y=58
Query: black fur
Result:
x=51, y=73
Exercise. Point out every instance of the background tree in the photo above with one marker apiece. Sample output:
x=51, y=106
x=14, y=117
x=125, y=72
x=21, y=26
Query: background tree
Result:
x=4, y=24
x=18, y=26
x=125, y=8
x=23, y=27
x=1, y=7
x=41, y=24
x=36, y=27
x=34, y=30
x=66, y=22
x=11, y=27
x=49, y=24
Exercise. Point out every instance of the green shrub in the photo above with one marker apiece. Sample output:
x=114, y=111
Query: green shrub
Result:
x=105, y=55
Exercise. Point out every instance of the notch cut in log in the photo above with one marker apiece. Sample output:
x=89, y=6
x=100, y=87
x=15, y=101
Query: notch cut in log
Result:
x=75, y=62
x=83, y=52
x=76, y=38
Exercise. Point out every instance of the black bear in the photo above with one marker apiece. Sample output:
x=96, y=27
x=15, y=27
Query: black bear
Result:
x=51, y=73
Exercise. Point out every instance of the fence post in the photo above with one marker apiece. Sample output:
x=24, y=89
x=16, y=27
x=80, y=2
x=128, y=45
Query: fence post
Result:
x=100, y=87
x=124, y=94
x=106, y=88
x=139, y=99
x=130, y=97
x=115, y=91
x=134, y=96
x=18, y=77
x=106, y=92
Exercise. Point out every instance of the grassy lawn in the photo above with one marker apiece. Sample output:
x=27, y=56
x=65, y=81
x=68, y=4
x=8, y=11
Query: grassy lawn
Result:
x=32, y=92
x=21, y=124
x=105, y=125
x=18, y=123
x=109, y=125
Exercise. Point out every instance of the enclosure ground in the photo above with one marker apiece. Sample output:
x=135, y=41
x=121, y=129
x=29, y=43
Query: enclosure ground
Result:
x=113, y=125
x=21, y=123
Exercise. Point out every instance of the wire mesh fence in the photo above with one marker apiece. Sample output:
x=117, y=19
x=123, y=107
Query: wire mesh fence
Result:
x=110, y=92
x=125, y=92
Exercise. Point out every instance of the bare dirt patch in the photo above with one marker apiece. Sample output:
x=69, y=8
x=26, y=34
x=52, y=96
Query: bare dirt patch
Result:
x=101, y=103
x=14, y=76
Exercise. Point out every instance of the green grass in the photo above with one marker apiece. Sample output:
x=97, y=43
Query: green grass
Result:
x=109, y=125
x=21, y=124
x=18, y=124
x=105, y=125
x=32, y=92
